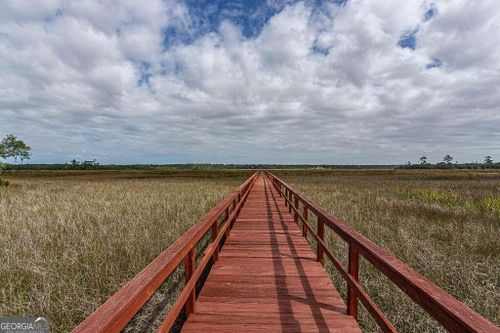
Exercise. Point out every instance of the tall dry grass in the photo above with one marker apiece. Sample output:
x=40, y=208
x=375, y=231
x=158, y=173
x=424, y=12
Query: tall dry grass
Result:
x=443, y=224
x=68, y=241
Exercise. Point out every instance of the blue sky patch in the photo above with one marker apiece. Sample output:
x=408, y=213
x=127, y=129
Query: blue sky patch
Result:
x=408, y=40
x=250, y=16
x=434, y=63
x=145, y=75
x=430, y=12
x=320, y=50
x=173, y=35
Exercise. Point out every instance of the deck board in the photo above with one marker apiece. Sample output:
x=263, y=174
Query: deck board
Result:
x=267, y=278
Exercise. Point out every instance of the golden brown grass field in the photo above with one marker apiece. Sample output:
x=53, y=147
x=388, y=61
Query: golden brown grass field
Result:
x=69, y=240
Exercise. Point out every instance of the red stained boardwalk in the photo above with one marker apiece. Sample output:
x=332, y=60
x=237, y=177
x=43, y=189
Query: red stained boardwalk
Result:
x=267, y=278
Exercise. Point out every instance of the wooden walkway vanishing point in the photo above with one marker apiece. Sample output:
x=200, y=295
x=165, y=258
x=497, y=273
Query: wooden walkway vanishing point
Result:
x=265, y=276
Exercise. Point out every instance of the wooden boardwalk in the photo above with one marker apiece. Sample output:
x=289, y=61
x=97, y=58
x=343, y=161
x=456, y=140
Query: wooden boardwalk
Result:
x=267, y=278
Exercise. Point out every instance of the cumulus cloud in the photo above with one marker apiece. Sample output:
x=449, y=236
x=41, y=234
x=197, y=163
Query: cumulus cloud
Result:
x=292, y=82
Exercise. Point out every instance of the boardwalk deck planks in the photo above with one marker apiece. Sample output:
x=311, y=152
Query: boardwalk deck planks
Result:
x=267, y=278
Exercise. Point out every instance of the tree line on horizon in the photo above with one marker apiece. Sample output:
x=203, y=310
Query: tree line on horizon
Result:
x=12, y=147
x=94, y=165
x=447, y=163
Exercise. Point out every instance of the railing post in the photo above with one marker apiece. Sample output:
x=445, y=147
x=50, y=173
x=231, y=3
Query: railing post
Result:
x=227, y=219
x=188, y=272
x=215, y=233
x=321, y=235
x=290, y=201
x=286, y=196
x=296, y=212
x=305, y=213
x=352, y=299
x=240, y=197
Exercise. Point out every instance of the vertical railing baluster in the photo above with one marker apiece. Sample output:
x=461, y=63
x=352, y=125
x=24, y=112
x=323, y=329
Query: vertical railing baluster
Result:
x=227, y=218
x=321, y=235
x=290, y=194
x=215, y=233
x=236, y=211
x=305, y=213
x=188, y=273
x=353, y=269
x=296, y=212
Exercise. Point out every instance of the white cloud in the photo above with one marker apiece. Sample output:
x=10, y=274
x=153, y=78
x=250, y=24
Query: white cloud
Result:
x=70, y=72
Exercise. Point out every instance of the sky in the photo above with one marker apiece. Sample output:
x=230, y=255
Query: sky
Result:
x=315, y=82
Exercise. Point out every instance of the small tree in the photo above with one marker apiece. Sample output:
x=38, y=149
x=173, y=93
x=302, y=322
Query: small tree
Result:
x=11, y=146
x=488, y=160
x=447, y=159
x=423, y=160
x=2, y=154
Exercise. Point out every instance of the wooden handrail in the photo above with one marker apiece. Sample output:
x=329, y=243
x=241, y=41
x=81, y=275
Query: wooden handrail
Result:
x=120, y=308
x=448, y=311
x=189, y=289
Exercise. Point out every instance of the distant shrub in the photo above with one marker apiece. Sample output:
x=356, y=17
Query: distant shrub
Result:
x=490, y=205
x=447, y=198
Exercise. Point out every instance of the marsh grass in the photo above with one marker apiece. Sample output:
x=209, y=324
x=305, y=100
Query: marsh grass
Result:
x=480, y=205
x=3, y=183
x=69, y=241
x=445, y=225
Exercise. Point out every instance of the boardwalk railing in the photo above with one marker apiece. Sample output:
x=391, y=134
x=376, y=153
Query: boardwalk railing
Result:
x=448, y=311
x=118, y=310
